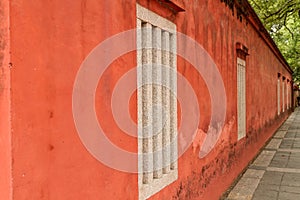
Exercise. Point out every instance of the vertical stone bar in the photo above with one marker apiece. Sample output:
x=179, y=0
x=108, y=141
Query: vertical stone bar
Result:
x=173, y=101
x=157, y=103
x=147, y=102
x=166, y=101
x=139, y=97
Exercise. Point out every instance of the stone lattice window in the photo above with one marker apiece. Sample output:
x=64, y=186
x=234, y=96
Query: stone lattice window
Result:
x=241, y=97
x=287, y=95
x=278, y=95
x=157, y=102
x=283, y=94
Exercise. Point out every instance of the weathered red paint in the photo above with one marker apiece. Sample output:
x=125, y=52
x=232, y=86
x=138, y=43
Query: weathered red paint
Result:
x=50, y=39
x=5, y=126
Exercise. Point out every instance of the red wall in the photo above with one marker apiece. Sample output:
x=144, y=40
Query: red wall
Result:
x=50, y=39
x=5, y=128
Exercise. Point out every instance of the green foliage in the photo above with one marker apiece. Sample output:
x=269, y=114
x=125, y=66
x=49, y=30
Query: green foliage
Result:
x=282, y=19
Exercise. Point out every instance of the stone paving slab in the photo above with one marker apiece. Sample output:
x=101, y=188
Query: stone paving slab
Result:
x=264, y=158
x=295, y=139
x=246, y=185
x=265, y=195
x=275, y=173
x=288, y=196
x=289, y=150
x=287, y=170
x=274, y=144
x=280, y=134
x=290, y=189
x=252, y=173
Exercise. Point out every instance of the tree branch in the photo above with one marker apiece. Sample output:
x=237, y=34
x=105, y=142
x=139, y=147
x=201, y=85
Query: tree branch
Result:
x=283, y=9
x=284, y=23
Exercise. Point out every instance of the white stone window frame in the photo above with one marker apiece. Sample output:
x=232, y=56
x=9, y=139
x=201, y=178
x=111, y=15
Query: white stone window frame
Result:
x=287, y=95
x=154, y=180
x=283, y=95
x=290, y=86
x=278, y=96
x=241, y=98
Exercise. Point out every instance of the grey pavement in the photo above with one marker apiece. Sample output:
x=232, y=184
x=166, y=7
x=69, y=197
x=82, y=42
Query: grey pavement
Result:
x=275, y=173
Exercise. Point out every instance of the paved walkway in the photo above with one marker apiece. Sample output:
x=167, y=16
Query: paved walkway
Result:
x=275, y=174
